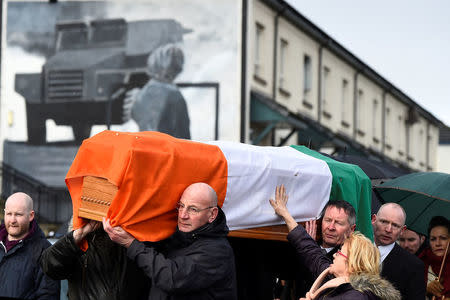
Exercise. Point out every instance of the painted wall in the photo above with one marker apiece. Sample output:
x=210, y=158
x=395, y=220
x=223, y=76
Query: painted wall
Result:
x=209, y=40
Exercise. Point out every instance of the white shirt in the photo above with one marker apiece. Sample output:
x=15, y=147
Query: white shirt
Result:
x=384, y=251
x=327, y=249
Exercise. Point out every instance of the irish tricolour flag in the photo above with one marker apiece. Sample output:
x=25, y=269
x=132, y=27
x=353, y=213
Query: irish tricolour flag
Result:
x=152, y=169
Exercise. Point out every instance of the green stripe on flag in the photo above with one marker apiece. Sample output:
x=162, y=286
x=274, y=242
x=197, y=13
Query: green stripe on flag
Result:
x=351, y=184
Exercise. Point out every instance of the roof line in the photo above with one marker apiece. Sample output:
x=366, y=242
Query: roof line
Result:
x=305, y=25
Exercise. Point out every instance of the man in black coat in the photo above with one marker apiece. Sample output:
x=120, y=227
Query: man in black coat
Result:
x=22, y=242
x=404, y=270
x=102, y=272
x=196, y=262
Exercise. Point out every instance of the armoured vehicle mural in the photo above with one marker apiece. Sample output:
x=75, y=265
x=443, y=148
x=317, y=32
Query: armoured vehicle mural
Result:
x=94, y=64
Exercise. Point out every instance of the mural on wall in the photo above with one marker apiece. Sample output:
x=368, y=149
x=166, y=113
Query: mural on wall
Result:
x=71, y=69
x=68, y=66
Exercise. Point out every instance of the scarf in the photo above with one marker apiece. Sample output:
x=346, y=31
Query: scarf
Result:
x=435, y=262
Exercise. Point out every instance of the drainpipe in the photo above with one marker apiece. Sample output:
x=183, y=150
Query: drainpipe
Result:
x=408, y=138
x=275, y=50
x=244, y=95
x=319, y=94
x=427, y=149
x=355, y=103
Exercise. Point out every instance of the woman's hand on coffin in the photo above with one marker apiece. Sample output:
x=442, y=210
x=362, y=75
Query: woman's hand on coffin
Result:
x=117, y=234
x=80, y=233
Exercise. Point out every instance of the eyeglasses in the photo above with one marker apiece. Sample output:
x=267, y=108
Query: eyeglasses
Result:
x=341, y=254
x=191, y=210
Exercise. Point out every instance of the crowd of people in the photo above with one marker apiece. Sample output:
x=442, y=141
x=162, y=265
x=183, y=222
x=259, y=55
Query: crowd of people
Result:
x=197, y=261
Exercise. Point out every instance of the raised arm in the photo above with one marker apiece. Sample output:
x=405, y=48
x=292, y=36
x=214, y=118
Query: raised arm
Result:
x=279, y=205
x=307, y=249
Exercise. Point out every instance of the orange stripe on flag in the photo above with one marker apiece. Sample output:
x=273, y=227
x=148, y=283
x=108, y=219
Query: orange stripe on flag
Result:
x=151, y=170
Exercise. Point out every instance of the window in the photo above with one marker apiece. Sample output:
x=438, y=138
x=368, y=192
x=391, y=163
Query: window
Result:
x=325, y=83
x=401, y=136
x=375, y=108
x=283, y=59
x=388, y=130
x=360, y=113
x=307, y=74
x=258, y=48
x=344, y=103
x=420, y=147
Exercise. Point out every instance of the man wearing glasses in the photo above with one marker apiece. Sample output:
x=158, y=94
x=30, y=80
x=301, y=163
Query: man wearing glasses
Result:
x=196, y=262
x=404, y=270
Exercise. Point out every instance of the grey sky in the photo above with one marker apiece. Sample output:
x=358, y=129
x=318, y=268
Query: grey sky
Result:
x=405, y=41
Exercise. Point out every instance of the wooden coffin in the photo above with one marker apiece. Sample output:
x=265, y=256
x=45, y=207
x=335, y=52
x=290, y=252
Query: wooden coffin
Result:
x=273, y=233
x=96, y=196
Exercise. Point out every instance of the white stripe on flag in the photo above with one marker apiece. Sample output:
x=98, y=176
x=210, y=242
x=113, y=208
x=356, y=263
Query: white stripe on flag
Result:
x=255, y=171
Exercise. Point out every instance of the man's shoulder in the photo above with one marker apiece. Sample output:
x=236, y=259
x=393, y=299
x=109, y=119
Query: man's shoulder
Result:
x=214, y=240
x=214, y=245
x=400, y=254
x=38, y=240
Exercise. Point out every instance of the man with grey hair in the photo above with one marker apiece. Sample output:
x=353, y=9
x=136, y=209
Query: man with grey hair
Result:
x=197, y=261
x=338, y=223
x=22, y=242
x=404, y=270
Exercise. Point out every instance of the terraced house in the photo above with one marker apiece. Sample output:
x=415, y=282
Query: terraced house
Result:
x=307, y=88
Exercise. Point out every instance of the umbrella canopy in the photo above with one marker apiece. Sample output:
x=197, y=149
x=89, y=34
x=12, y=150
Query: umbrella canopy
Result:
x=423, y=195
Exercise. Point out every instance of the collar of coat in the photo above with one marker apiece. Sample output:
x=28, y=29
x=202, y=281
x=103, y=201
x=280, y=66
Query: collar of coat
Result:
x=363, y=282
x=218, y=228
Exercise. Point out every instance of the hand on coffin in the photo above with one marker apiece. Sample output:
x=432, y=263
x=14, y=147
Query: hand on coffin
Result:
x=80, y=233
x=279, y=204
x=311, y=228
x=117, y=234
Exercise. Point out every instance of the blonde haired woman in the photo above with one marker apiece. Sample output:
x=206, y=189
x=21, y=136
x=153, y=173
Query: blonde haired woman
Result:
x=354, y=272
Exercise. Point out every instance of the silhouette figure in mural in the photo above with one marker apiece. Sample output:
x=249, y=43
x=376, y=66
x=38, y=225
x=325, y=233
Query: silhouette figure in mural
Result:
x=159, y=105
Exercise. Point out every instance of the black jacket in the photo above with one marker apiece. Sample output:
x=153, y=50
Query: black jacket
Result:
x=304, y=279
x=195, y=265
x=102, y=272
x=361, y=286
x=20, y=274
x=405, y=271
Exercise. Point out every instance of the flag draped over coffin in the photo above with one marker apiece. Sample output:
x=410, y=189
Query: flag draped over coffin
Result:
x=151, y=171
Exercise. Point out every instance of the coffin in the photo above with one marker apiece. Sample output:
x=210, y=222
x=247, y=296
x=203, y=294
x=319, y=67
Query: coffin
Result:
x=96, y=196
x=136, y=180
